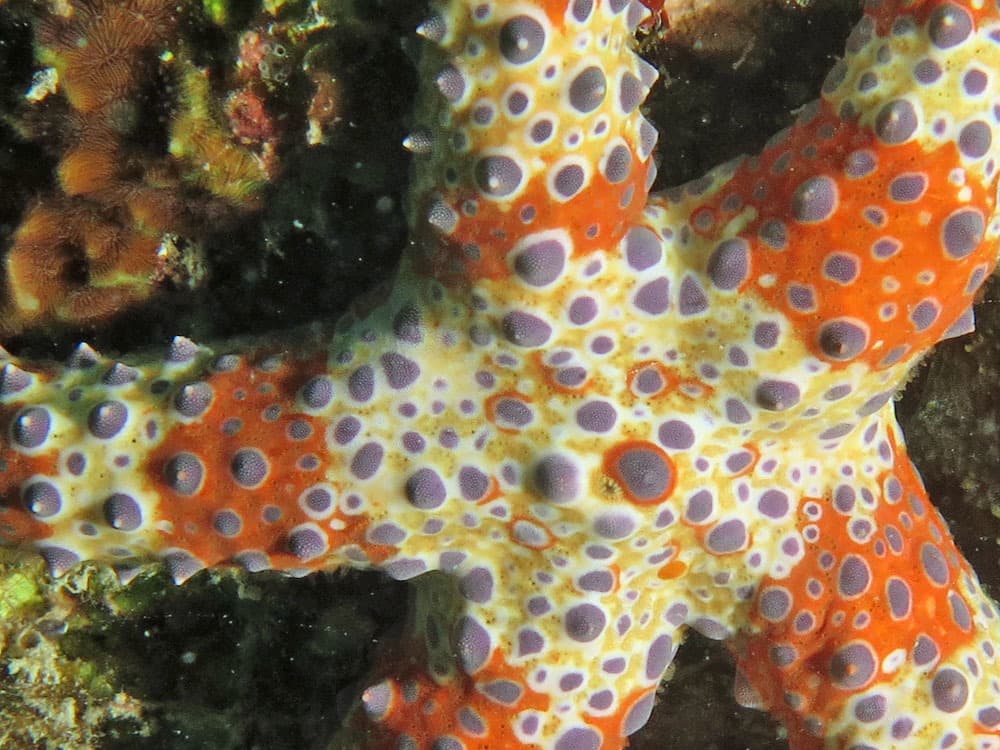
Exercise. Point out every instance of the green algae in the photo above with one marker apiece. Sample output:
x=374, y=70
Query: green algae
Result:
x=48, y=697
x=18, y=592
x=216, y=11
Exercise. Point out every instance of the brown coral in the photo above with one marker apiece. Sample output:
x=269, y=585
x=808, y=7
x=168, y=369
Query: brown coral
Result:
x=70, y=263
x=102, y=240
x=164, y=122
x=100, y=48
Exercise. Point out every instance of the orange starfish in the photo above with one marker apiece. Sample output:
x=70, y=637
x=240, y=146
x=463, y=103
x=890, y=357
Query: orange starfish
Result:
x=606, y=419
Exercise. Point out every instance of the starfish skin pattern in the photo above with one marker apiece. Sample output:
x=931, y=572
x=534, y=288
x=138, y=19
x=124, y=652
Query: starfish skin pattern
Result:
x=603, y=418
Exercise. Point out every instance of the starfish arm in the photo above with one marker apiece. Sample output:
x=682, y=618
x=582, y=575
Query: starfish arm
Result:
x=533, y=128
x=880, y=635
x=870, y=224
x=852, y=244
x=551, y=660
x=337, y=454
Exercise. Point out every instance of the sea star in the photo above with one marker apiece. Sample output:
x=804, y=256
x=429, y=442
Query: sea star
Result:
x=605, y=419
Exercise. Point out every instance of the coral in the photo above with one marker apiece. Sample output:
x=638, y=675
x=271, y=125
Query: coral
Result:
x=94, y=245
x=47, y=699
x=228, y=661
x=79, y=253
x=158, y=146
x=214, y=160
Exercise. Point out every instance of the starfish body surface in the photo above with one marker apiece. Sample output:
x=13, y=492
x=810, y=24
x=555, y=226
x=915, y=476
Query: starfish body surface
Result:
x=605, y=417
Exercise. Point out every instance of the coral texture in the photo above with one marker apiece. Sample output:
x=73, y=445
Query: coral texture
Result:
x=49, y=701
x=604, y=418
x=155, y=147
x=95, y=245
